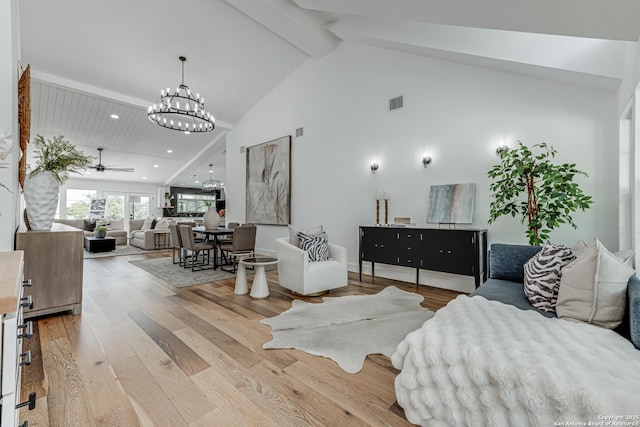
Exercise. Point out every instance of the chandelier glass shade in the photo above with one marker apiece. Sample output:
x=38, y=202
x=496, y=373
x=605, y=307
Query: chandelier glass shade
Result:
x=181, y=110
x=211, y=184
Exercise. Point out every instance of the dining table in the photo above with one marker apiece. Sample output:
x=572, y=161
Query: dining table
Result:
x=213, y=235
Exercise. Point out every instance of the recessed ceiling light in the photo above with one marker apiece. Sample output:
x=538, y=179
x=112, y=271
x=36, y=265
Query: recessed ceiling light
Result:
x=156, y=166
x=169, y=151
x=115, y=116
x=144, y=177
x=182, y=185
x=196, y=181
x=186, y=132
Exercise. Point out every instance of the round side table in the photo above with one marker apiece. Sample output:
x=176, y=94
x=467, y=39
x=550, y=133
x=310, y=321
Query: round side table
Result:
x=260, y=287
x=241, y=274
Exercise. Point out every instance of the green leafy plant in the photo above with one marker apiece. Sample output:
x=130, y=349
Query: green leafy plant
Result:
x=526, y=183
x=59, y=157
x=100, y=228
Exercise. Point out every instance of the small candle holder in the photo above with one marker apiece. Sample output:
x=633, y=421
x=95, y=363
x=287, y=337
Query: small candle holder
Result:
x=377, y=212
x=386, y=212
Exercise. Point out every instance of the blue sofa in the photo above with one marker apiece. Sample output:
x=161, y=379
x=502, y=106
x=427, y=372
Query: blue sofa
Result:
x=506, y=278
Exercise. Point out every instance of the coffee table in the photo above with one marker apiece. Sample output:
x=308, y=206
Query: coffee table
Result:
x=260, y=287
x=100, y=244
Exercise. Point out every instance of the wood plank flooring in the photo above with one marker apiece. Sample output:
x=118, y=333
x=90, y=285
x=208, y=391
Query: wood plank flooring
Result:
x=143, y=353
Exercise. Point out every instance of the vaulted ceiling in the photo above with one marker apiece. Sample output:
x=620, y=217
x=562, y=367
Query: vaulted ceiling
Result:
x=93, y=59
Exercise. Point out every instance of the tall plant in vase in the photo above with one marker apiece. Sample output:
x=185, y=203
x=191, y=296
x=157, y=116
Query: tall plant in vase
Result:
x=54, y=160
x=526, y=183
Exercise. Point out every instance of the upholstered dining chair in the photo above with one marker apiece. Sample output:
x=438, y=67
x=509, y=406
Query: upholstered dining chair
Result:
x=228, y=239
x=176, y=243
x=244, y=240
x=196, y=250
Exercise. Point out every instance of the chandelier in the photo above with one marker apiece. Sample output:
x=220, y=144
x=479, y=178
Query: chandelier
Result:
x=212, y=184
x=181, y=110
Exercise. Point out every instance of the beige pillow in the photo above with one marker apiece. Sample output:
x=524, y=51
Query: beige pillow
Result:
x=117, y=224
x=593, y=288
x=146, y=225
x=293, y=234
x=625, y=256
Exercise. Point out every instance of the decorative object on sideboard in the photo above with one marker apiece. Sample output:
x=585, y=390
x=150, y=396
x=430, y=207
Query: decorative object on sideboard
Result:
x=268, y=192
x=54, y=160
x=451, y=203
x=377, y=211
x=386, y=211
x=374, y=167
x=551, y=193
x=211, y=219
x=190, y=117
x=211, y=184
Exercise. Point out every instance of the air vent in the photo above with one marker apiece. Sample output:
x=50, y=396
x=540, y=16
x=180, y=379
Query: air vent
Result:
x=243, y=148
x=299, y=132
x=395, y=103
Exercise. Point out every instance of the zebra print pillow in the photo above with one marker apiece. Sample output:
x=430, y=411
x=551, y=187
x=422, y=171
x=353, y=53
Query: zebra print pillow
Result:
x=317, y=246
x=542, y=275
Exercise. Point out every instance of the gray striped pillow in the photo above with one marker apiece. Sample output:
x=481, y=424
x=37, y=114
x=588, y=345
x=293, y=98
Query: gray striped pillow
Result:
x=316, y=246
x=542, y=275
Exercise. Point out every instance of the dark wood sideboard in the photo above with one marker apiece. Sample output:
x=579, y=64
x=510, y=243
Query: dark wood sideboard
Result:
x=457, y=251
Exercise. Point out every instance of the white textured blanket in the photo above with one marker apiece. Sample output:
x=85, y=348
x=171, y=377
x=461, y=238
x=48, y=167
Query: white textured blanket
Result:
x=483, y=363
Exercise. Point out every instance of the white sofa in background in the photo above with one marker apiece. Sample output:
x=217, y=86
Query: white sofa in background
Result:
x=144, y=237
x=298, y=274
x=115, y=228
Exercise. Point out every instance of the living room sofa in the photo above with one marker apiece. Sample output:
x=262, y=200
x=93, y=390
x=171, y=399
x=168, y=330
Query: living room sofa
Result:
x=114, y=229
x=491, y=358
x=506, y=284
x=143, y=237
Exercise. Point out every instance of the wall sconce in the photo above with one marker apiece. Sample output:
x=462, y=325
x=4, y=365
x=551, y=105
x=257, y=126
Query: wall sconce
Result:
x=502, y=148
x=426, y=161
x=374, y=167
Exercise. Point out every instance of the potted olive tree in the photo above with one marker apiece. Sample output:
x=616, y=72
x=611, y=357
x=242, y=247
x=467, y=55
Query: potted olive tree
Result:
x=526, y=183
x=54, y=160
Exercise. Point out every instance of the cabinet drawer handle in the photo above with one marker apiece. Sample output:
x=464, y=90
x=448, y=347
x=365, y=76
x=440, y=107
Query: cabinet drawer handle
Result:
x=31, y=403
x=26, y=302
x=28, y=330
x=26, y=284
x=27, y=358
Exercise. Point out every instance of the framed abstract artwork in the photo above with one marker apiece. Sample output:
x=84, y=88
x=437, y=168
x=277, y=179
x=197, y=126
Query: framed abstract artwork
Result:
x=451, y=204
x=269, y=182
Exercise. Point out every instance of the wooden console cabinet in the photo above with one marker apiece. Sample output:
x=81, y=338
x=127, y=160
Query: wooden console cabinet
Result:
x=53, y=261
x=458, y=251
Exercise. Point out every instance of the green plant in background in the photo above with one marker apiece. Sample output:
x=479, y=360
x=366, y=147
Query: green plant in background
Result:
x=100, y=228
x=59, y=157
x=527, y=184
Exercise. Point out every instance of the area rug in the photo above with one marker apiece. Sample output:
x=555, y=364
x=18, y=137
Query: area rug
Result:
x=120, y=250
x=163, y=268
x=347, y=329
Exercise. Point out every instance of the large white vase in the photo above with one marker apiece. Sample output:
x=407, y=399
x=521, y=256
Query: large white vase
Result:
x=41, y=200
x=211, y=219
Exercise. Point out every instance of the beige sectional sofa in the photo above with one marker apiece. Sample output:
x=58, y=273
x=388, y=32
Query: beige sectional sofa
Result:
x=144, y=237
x=115, y=229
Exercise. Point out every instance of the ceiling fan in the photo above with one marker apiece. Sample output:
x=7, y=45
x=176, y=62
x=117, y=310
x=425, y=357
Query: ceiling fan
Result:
x=101, y=168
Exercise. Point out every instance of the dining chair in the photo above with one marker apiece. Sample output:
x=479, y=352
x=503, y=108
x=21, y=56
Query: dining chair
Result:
x=176, y=243
x=227, y=239
x=244, y=240
x=196, y=249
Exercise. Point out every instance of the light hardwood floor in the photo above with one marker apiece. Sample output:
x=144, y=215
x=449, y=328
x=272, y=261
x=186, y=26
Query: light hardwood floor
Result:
x=143, y=353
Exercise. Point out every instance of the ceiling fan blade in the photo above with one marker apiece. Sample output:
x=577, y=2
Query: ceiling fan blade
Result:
x=120, y=169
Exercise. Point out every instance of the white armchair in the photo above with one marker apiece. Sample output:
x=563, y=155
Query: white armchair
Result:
x=297, y=274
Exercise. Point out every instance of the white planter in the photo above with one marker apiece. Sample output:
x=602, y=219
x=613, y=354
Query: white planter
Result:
x=211, y=219
x=41, y=200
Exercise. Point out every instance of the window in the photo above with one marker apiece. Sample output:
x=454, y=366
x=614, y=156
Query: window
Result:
x=79, y=202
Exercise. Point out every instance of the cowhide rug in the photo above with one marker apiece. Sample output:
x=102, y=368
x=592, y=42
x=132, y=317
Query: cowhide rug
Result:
x=347, y=329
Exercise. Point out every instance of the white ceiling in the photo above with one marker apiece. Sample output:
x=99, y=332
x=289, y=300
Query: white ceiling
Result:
x=91, y=59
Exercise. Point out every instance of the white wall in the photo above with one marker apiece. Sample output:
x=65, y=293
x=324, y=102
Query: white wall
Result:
x=456, y=113
x=9, y=57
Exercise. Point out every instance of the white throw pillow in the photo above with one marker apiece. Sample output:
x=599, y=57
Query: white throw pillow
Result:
x=163, y=224
x=146, y=225
x=593, y=288
x=293, y=234
x=625, y=256
x=117, y=224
